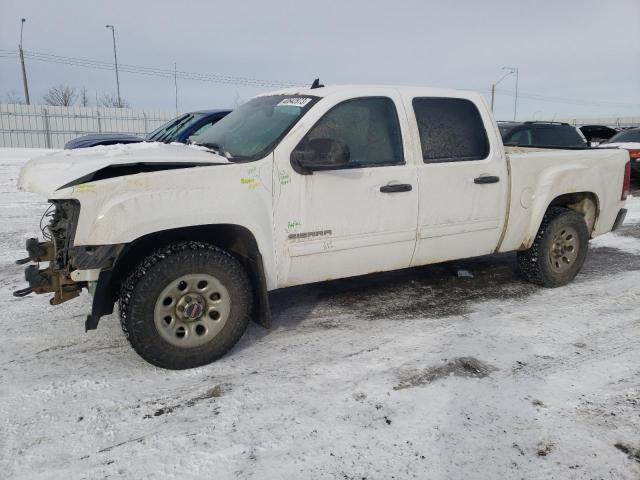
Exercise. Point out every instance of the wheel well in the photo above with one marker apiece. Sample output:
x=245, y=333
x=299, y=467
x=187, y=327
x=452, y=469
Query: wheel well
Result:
x=234, y=239
x=584, y=203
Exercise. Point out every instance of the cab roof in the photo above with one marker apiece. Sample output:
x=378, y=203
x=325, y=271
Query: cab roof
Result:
x=330, y=90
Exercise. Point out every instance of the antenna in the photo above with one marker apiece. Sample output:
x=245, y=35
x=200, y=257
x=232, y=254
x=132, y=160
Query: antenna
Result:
x=316, y=84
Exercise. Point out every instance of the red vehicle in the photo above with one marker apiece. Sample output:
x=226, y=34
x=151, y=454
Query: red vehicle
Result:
x=629, y=140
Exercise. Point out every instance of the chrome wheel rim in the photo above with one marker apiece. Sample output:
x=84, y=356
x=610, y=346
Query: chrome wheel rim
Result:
x=191, y=310
x=564, y=250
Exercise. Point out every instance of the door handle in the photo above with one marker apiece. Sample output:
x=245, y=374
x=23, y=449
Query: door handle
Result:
x=486, y=179
x=400, y=187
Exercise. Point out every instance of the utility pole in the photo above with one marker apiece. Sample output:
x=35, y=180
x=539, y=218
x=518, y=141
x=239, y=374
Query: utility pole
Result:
x=24, y=70
x=175, y=82
x=515, y=103
x=493, y=94
x=493, y=85
x=115, y=56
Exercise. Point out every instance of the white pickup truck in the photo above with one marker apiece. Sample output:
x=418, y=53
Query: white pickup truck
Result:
x=300, y=186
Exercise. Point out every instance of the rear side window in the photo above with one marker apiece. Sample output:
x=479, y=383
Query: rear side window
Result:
x=560, y=136
x=369, y=127
x=545, y=136
x=451, y=130
x=520, y=137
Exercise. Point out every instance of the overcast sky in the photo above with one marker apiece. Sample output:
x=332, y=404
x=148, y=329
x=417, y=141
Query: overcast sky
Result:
x=582, y=50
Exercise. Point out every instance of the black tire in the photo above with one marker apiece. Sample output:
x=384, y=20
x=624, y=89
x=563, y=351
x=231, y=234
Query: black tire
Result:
x=140, y=292
x=537, y=263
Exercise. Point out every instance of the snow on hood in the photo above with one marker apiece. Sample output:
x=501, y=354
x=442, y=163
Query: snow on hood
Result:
x=44, y=175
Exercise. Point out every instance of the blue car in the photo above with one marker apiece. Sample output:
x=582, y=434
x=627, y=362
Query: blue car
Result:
x=180, y=129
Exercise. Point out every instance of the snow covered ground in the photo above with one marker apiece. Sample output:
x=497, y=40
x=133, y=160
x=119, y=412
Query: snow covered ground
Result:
x=413, y=374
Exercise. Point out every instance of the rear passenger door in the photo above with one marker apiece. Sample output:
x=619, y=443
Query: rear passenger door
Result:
x=463, y=180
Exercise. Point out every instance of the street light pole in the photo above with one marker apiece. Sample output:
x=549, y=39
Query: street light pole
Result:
x=24, y=70
x=115, y=56
x=175, y=82
x=493, y=85
x=515, y=103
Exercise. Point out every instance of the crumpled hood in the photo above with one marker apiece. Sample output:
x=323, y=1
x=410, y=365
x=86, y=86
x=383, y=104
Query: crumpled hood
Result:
x=44, y=175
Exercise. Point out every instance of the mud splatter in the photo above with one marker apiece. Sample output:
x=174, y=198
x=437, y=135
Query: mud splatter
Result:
x=632, y=452
x=214, y=392
x=459, y=367
x=544, y=449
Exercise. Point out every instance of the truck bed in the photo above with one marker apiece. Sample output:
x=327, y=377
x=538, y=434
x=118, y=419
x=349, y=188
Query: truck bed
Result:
x=539, y=175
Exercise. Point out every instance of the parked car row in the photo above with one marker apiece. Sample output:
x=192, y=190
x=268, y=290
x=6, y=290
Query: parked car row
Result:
x=556, y=134
x=189, y=128
x=182, y=129
x=564, y=135
x=541, y=134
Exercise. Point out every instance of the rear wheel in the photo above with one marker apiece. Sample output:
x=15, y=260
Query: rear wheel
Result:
x=185, y=305
x=558, y=251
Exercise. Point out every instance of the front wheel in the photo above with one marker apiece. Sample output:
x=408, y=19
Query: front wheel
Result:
x=185, y=305
x=558, y=251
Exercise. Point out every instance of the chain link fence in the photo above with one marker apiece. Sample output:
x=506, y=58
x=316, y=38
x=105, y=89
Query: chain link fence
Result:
x=37, y=126
x=613, y=122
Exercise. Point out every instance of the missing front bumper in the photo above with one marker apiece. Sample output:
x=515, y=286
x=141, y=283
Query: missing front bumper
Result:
x=69, y=270
x=46, y=280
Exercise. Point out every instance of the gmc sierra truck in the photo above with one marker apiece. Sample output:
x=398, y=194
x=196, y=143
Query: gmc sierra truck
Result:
x=299, y=186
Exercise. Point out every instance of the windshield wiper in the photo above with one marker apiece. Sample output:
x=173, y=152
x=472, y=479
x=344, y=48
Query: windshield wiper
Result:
x=172, y=129
x=216, y=147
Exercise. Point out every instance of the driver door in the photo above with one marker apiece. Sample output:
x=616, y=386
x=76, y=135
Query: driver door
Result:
x=354, y=219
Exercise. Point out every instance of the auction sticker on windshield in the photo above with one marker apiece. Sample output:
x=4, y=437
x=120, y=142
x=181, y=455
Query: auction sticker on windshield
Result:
x=294, y=102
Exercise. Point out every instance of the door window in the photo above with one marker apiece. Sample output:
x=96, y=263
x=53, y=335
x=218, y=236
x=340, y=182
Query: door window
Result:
x=368, y=126
x=451, y=130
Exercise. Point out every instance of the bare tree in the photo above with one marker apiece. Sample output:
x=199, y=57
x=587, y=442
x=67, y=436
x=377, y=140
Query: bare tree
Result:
x=14, y=97
x=84, y=97
x=62, y=95
x=111, y=100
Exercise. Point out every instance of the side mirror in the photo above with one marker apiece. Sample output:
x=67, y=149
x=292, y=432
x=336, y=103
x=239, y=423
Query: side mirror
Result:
x=320, y=154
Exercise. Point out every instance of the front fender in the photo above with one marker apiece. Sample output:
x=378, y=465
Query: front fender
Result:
x=121, y=210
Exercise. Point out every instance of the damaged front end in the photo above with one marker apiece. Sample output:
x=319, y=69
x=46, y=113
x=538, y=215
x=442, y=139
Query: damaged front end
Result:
x=56, y=276
x=68, y=268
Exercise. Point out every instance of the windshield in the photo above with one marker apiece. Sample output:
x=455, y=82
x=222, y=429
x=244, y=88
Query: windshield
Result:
x=252, y=130
x=625, y=137
x=168, y=132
